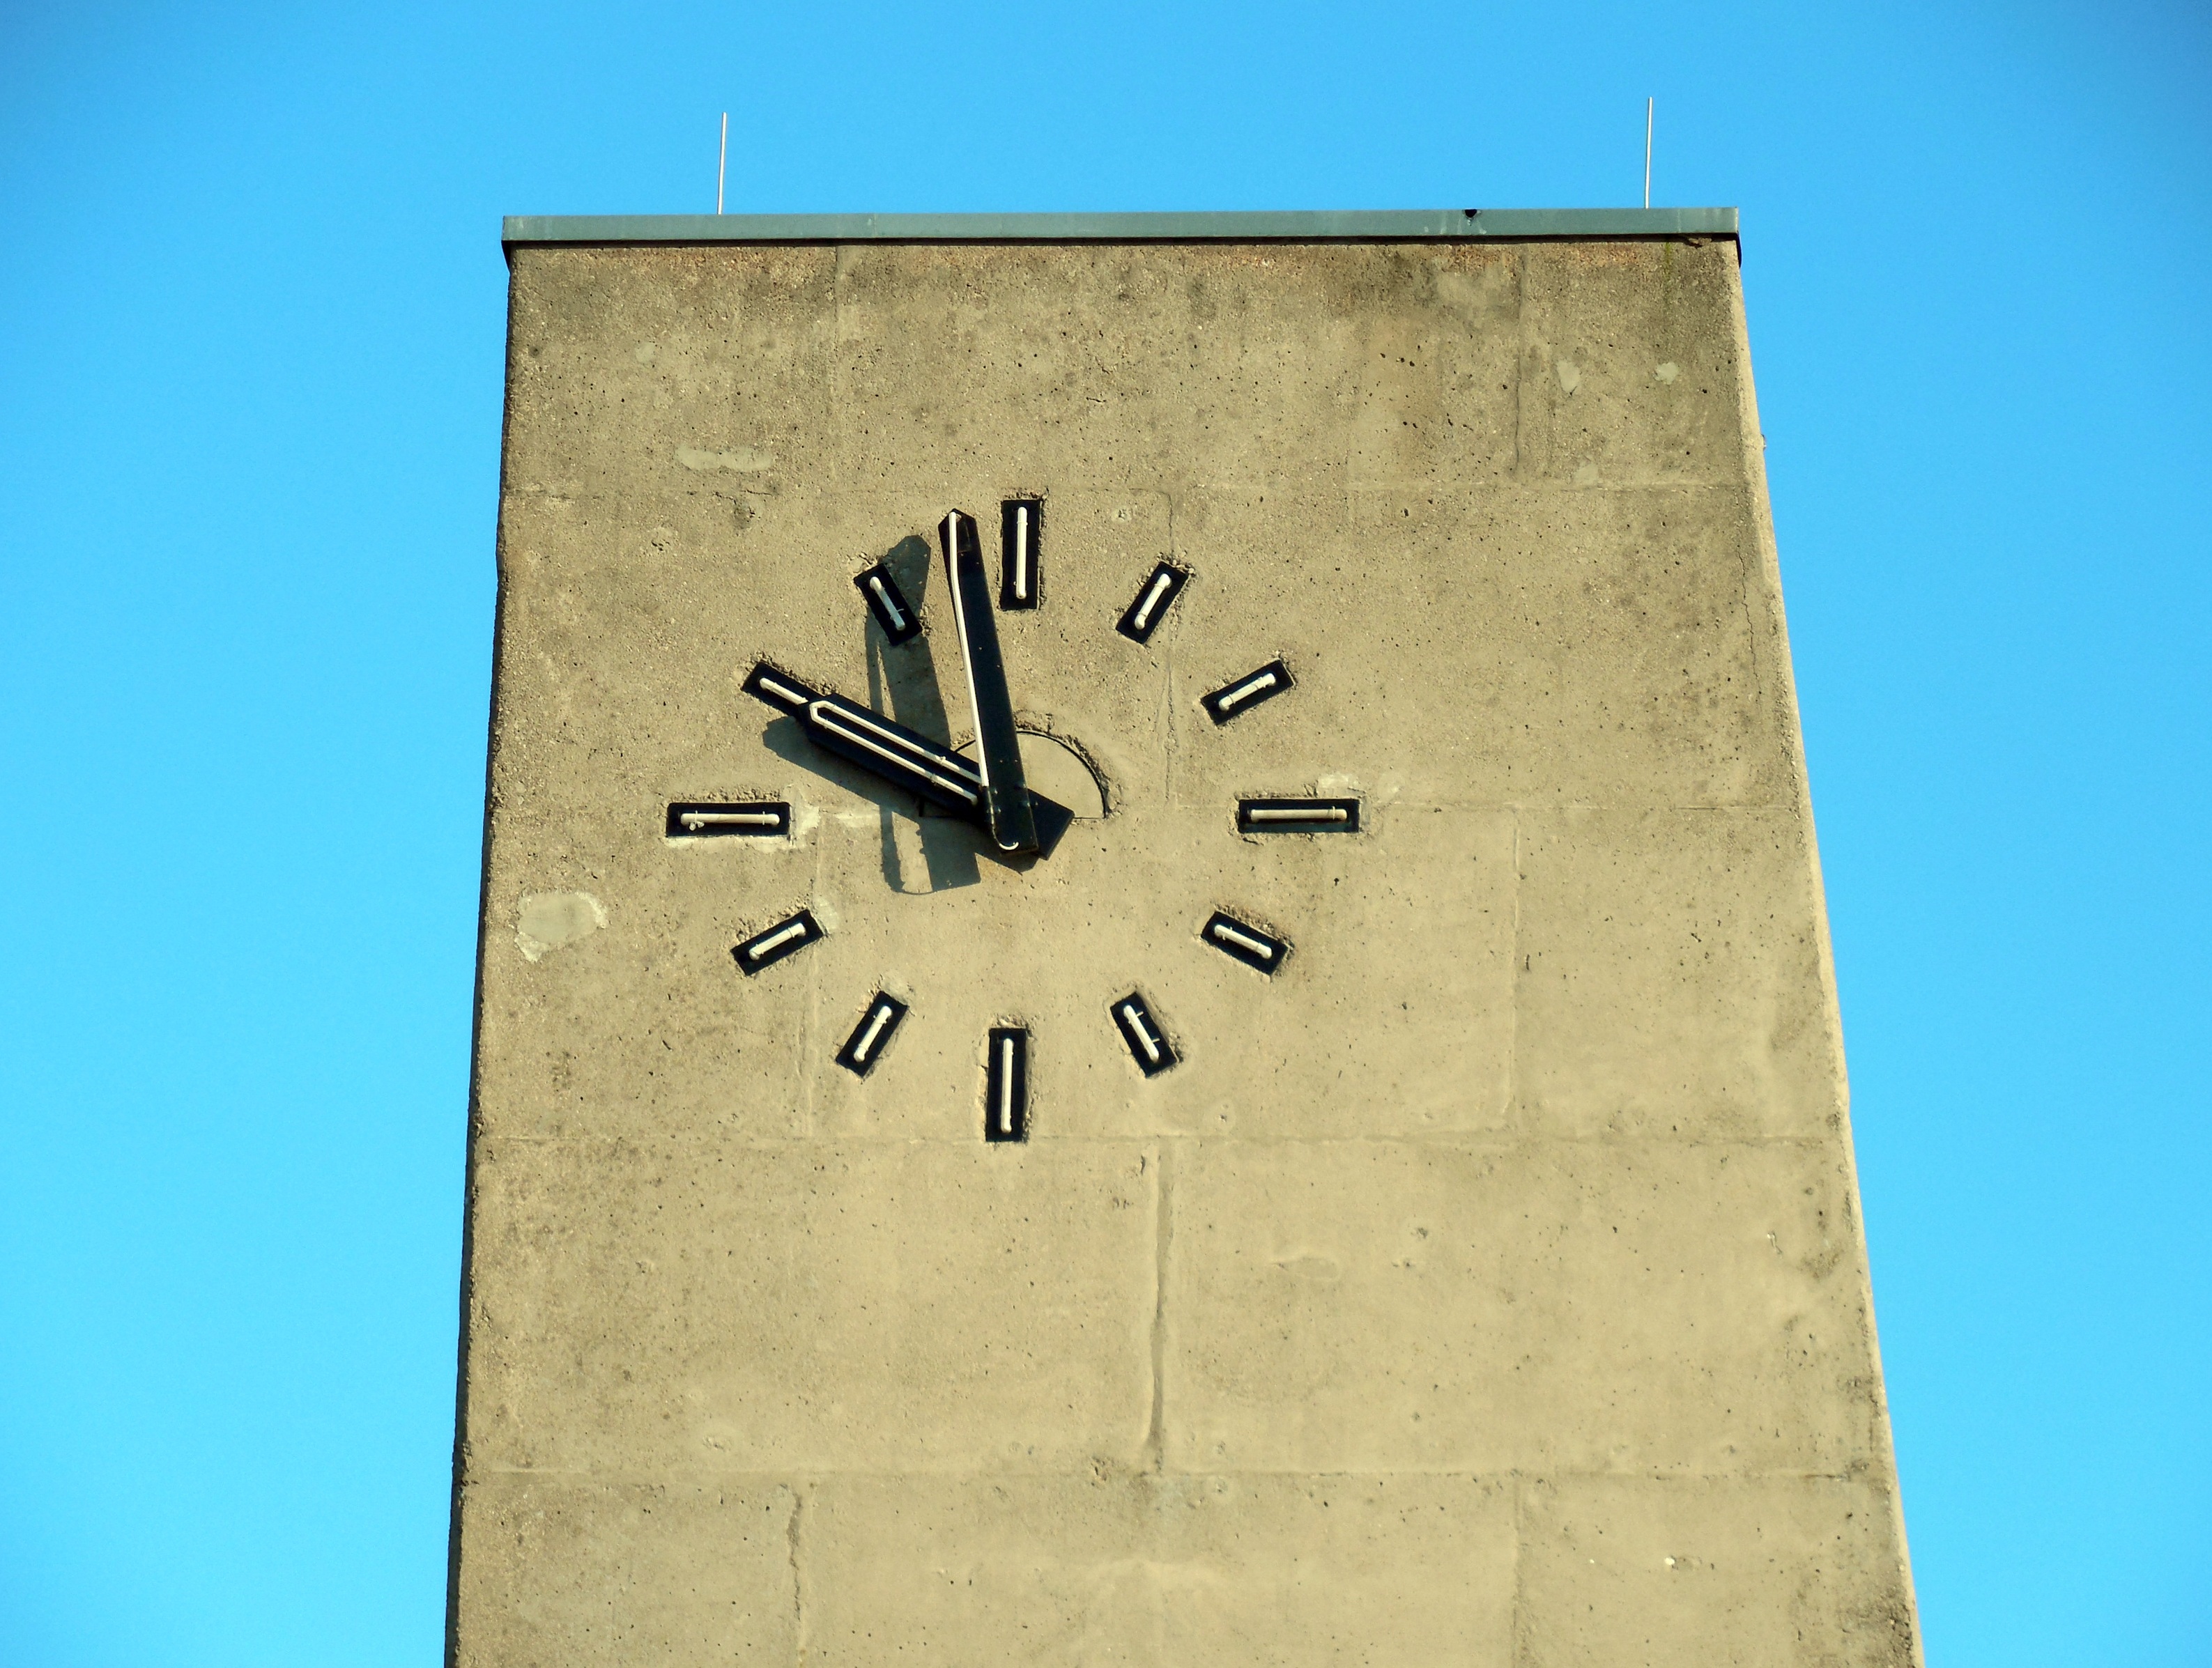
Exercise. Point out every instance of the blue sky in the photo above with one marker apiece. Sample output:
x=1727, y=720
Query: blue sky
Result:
x=251, y=338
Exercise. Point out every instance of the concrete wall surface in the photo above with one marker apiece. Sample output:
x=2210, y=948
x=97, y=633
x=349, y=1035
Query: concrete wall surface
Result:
x=1486, y=1285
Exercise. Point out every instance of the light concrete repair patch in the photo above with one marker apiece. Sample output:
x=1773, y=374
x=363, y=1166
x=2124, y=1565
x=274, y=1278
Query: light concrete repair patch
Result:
x=743, y=460
x=551, y=920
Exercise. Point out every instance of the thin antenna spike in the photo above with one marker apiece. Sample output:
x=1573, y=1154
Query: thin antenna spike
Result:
x=1649, y=105
x=722, y=168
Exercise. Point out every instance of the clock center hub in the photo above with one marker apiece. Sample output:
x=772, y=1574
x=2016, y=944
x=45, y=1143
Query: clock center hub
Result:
x=1058, y=771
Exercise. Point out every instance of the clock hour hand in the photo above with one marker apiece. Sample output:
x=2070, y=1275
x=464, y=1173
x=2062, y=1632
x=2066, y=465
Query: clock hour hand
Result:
x=905, y=758
x=1006, y=795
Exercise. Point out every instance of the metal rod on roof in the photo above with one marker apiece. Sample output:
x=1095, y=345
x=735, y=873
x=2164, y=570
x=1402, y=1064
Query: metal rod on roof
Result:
x=722, y=167
x=1648, y=106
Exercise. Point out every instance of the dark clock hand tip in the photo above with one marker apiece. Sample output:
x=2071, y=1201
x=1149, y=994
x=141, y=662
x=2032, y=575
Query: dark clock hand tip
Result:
x=772, y=685
x=1051, y=820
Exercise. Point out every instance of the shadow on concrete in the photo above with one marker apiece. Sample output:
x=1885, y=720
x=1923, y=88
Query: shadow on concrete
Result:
x=903, y=683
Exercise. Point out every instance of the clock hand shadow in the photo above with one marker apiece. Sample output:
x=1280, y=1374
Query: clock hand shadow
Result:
x=902, y=683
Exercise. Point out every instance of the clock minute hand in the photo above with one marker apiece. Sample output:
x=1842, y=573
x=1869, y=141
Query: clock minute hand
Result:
x=998, y=746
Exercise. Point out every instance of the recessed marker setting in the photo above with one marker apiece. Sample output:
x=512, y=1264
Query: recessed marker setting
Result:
x=898, y=617
x=1148, y=1043
x=1245, y=941
x=779, y=688
x=1298, y=817
x=1157, y=594
x=768, y=947
x=1006, y=1084
x=872, y=1034
x=1021, y=526
x=1242, y=695
x=759, y=819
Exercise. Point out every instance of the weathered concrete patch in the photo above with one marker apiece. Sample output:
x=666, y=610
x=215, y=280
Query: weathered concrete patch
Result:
x=743, y=460
x=592, y=1575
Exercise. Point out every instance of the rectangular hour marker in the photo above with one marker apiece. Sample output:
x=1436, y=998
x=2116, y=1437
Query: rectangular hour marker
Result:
x=759, y=819
x=1243, y=694
x=1142, y=617
x=896, y=616
x=1298, y=817
x=1021, y=526
x=1148, y=1043
x=767, y=948
x=1254, y=948
x=1006, y=1084
x=872, y=1034
x=778, y=688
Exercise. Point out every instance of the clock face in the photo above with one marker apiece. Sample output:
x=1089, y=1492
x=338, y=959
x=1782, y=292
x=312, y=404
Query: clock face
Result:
x=1022, y=808
x=1052, y=833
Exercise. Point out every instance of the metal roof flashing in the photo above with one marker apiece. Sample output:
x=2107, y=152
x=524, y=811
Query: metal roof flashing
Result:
x=1293, y=226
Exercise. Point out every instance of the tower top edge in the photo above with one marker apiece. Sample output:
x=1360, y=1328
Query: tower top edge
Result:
x=1285, y=226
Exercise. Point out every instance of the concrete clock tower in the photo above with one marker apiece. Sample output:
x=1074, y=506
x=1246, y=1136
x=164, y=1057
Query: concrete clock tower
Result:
x=1153, y=984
